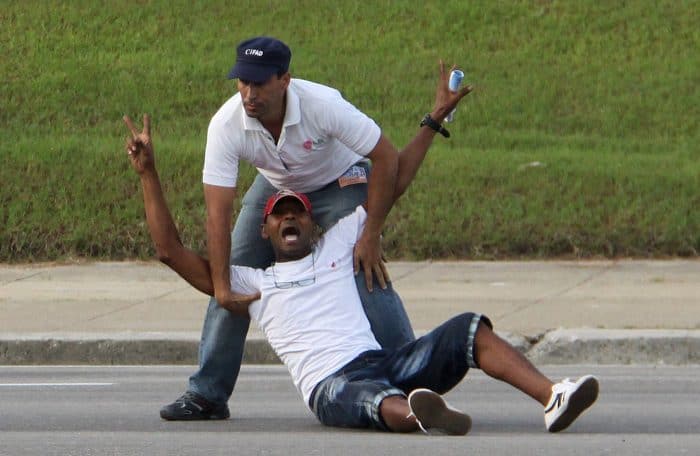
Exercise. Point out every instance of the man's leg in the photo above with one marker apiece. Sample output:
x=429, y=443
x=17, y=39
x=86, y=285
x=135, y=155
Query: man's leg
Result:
x=358, y=396
x=563, y=402
x=386, y=314
x=384, y=309
x=223, y=333
x=502, y=361
x=441, y=358
x=371, y=390
x=438, y=360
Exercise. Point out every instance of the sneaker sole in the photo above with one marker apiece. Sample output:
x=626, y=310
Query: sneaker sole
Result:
x=579, y=401
x=436, y=416
x=174, y=413
x=193, y=417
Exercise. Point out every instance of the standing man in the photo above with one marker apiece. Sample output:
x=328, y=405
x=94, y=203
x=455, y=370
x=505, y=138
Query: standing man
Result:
x=301, y=136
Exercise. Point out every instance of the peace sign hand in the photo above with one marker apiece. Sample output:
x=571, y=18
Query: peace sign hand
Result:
x=139, y=147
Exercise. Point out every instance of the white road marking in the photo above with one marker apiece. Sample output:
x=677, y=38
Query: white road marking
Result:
x=54, y=384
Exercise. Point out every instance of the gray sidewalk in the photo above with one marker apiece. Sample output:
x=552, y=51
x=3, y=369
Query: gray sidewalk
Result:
x=554, y=311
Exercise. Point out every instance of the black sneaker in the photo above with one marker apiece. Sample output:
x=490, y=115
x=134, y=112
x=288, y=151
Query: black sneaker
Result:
x=191, y=406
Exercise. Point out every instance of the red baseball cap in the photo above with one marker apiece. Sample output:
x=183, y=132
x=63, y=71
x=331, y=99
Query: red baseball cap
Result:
x=274, y=199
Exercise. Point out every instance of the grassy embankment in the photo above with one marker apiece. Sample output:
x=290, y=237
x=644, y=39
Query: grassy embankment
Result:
x=581, y=138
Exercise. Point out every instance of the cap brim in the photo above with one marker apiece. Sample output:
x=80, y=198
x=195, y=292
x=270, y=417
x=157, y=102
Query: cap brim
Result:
x=252, y=72
x=270, y=206
x=294, y=197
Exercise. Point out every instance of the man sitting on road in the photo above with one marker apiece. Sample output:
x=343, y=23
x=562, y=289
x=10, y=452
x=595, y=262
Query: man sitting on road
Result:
x=310, y=311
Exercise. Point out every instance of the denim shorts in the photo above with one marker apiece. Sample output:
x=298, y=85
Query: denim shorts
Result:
x=351, y=396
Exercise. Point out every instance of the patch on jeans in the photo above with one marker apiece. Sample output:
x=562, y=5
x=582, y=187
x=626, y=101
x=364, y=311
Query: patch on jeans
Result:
x=354, y=175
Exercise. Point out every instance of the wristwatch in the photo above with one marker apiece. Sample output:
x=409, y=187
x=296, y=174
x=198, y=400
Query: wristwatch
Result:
x=429, y=121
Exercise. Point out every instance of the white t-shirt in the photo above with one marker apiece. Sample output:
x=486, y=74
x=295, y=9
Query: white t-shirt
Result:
x=322, y=136
x=318, y=328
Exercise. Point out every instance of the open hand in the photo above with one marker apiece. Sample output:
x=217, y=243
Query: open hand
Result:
x=368, y=255
x=140, y=147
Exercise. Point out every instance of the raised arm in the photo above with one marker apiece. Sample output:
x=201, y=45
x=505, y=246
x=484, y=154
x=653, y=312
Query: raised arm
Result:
x=189, y=265
x=410, y=159
x=412, y=155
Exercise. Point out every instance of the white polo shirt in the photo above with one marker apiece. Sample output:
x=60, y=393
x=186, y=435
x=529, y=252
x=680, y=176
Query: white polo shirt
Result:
x=322, y=136
x=317, y=328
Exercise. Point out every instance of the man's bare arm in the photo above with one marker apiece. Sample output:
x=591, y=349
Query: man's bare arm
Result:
x=190, y=266
x=378, y=204
x=219, y=202
x=411, y=157
x=219, y=211
x=380, y=191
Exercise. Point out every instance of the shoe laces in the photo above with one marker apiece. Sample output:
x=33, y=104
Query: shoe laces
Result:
x=563, y=386
x=189, y=396
x=559, y=390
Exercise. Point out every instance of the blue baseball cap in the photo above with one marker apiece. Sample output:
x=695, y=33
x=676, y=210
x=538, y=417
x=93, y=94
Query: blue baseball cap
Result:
x=257, y=59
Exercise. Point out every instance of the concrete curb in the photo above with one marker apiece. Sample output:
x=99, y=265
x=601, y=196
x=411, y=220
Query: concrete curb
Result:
x=597, y=346
x=116, y=349
x=563, y=346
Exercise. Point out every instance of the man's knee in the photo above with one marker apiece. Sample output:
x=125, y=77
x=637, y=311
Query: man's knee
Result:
x=479, y=331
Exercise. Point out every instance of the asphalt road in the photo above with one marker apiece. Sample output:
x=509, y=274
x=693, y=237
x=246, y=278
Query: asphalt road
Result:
x=82, y=410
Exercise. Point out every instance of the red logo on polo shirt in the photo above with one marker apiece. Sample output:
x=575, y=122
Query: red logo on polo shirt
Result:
x=308, y=144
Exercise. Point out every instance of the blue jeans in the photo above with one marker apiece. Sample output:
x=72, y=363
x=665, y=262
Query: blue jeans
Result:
x=438, y=361
x=223, y=334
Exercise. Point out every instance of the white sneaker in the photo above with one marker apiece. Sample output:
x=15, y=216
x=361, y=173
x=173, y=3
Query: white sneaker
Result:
x=435, y=416
x=568, y=401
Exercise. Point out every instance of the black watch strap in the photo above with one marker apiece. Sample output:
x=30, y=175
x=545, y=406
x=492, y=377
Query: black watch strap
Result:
x=429, y=121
